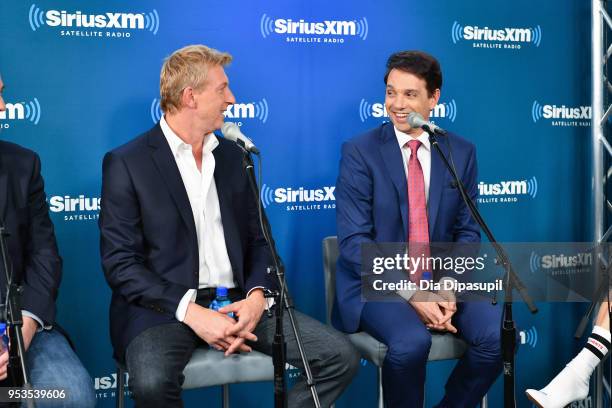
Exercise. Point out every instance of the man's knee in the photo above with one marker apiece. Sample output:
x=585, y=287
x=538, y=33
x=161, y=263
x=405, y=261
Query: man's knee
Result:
x=349, y=360
x=81, y=393
x=340, y=356
x=152, y=385
x=488, y=344
x=405, y=353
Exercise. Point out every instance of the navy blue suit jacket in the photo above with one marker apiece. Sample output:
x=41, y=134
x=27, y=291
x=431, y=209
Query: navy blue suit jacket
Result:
x=148, y=242
x=372, y=206
x=31, y=244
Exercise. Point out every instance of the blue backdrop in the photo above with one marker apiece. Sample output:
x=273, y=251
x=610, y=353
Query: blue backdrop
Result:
x=516, y=83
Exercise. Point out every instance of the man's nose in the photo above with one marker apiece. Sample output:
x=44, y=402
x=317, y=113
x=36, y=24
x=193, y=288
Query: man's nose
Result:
x=399, y=102
x=229, y=98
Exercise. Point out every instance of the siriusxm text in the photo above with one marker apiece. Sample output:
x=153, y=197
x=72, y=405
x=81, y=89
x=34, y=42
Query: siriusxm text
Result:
x=564, y=112
x=502, y=188
x=560, y=261
x=13, y=111
x=288, y=195
x=74, y=204
x=327, y=27
x=507, y=34
x=379, y=110
x=56, y=18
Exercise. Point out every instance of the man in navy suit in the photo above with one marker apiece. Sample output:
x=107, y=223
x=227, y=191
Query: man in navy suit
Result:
x=178, y=220
x=37, y=267
x=392, y=187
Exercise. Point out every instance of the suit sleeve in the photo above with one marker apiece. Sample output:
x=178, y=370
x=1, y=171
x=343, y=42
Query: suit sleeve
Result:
x=122, y=244
x=354, y=192
x=43, y=265
x=466, y=229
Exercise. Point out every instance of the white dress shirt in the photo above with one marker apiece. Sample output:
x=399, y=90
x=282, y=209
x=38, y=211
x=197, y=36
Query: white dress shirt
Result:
x=423, y=154
x=215, y=268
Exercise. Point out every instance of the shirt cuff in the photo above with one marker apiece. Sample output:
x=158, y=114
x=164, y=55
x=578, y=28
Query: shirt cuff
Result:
x=181, y=310
x=41, y=325
x=448, y=278
x=269, y=301
x=406, y=293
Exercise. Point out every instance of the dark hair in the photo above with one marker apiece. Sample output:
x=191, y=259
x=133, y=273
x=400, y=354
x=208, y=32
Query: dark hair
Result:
x=417, y=63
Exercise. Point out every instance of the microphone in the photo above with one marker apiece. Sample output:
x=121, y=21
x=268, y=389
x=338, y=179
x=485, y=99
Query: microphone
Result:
x=415, y=120
x=232, y=132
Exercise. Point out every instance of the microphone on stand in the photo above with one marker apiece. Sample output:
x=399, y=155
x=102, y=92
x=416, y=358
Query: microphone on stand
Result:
x=232, y=132
x=415, y=120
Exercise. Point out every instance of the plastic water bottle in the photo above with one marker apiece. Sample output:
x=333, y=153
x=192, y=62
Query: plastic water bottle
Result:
x=3, y=338
x=221, y=300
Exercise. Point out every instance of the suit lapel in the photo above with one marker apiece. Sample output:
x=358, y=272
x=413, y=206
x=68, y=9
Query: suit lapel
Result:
x=392, y=157
x=169, y=173
x=230, y=230
x=436, y=185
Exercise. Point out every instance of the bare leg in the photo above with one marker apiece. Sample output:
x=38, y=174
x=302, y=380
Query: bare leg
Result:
x=603, y=316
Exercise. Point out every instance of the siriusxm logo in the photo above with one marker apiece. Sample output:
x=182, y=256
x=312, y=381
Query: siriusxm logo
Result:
x=518, y=187
x=253, y=110
x=106, y=386
x=107, y=382
x=29, y=111
x=327, y=31
x=556, y=261
x=561, y=115
x=445, y=110
x=529, y=337
x=507, y=191
x=155, y=111
x=510, y=37
x=80, y=208
x=110, y=20
x=299, y=199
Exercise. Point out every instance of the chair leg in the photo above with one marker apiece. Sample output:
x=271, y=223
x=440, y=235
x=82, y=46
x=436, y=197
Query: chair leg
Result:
x=485, y=402
x=120, y=387
x=381, y=399
x=225, y=398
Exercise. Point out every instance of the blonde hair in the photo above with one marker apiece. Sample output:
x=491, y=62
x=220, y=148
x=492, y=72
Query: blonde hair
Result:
x=187, y=67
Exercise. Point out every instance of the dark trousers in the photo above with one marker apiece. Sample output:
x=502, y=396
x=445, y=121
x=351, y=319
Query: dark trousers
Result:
x=397, y=325
x=156, y=358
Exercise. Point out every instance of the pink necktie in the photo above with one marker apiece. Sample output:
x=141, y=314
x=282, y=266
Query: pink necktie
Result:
x=418, y=227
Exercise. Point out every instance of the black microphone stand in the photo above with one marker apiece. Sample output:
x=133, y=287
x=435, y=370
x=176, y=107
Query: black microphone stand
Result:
x=282, y=301
x=17, y=369
x=512, y=281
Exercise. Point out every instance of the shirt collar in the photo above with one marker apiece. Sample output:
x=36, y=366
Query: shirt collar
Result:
x=176, y=143
x=403, y=138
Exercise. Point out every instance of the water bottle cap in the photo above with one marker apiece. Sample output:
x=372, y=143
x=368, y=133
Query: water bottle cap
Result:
x=221, y=291
x=2, y=327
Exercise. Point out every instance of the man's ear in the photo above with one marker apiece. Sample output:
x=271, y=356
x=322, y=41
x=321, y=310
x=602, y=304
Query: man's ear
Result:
x=435, y=97
x=187, y=98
